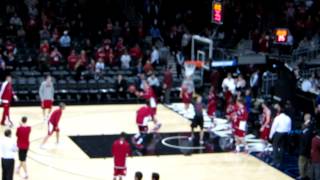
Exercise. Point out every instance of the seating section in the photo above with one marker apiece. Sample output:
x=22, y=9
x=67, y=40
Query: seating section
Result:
x=26, y=83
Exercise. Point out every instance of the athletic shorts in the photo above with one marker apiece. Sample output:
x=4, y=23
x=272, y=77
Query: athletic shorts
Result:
x=187, y=99
x=52, y=128
x=197, y=121
x=46, y=104
x=120, y=171
x=23, y=154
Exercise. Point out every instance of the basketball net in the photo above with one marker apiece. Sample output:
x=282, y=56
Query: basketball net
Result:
x=189, y=69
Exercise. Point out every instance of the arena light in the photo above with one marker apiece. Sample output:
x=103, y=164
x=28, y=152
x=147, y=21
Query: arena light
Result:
x=217, y=12
x=281, y=35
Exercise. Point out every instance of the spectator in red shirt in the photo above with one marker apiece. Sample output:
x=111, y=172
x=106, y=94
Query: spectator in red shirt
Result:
x=72, y=60
x=136, y=53
x=120, y=150
x=315, y=156
x=44, y=47
x=55, y=56
x=148, y=69
x=53, y=124
x=167, y=84
x=23, y=134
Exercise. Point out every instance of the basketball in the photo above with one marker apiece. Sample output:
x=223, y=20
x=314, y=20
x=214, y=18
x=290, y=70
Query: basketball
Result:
x=132, y=89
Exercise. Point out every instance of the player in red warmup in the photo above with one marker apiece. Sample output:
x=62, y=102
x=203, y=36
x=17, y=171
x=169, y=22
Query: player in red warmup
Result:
x=212, y=103
x=120, y=150
x=266, y=122
x=186, y=93
x=240, y=118
x=53, y=123
x=6, y=94
x=145, y=114
x=149, y=95
x=23, y=134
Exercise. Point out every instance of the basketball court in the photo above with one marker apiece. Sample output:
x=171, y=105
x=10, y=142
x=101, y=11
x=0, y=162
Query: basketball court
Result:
x=69, y=160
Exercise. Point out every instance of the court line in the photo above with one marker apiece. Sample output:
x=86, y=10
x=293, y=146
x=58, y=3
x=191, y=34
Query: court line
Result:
x=163, y=141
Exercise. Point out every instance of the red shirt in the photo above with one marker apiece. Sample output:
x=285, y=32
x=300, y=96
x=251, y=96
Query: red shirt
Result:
x=167, y=79
x=6, y=92
x=148, y=93
x=120, y=150
x=55, y=117
x=23, y=134
x=72, y=60
x=135, y=52
x=315, y=150
x=143, y=113
x=44, y=48
x=212, y=103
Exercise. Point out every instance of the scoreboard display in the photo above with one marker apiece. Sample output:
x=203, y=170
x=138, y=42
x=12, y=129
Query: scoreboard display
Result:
x=217, y=12
x=281, y=35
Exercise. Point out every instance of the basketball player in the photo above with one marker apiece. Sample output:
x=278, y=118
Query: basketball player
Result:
x=240, y=118
x=46, y=93
x=145, y=114
x=186, y=92
x=198, y=119
x=23, y=134
x=120, y=150
x=53, y=124
x=149, y=95
x=266, y=122
x=6, y=94
x=212, y=103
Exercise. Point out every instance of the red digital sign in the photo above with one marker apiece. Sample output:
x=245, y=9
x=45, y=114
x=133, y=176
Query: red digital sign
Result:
x=217, y=12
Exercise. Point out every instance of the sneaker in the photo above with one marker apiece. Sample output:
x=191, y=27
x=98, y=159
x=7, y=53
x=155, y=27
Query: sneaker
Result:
x=201, y=142
x=17, y=171
x=25, y=176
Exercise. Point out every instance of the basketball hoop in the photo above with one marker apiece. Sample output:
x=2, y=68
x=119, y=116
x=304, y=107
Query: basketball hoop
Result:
x=191, y=65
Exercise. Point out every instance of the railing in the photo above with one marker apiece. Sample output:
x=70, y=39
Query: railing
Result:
x=306, y=53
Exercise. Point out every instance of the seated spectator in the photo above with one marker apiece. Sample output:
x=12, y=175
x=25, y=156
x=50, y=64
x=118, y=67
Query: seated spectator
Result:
x=240, y=83
x=155, y=56
x=229, y=83
x=10, y=47
x=155, y=33
x=15, y=20
x=121, y=87
x=125, y=60
x=44, y=47
x=155, y=176
x=135, y=53
x=81, y=64
x=44, y=34
x=119, y=47
x=11, y=63
x=56, y=57
x=154, y=82
x=139, y=68
x=315, y=156
x=148, y=68
x=99, y=68
x=138, y=175
x=72, y=60
x=44, y=61
x=100, y=54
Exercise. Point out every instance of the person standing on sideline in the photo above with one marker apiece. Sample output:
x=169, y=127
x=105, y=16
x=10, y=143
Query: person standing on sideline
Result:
x=53, y=124
x=305, y=146
x=315, y=156
x=167, y=84
x=23, y=134
x=280, y=128
x=120, y=150
x=8, y=151
x=46, y=93
x=266, y=122
x=6, y=94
